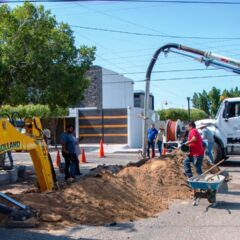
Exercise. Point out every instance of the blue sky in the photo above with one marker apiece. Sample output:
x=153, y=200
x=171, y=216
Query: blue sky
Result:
x=131, y=53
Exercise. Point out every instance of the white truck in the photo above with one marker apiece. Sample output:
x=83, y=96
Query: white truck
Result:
x=225, y=128
x=226, y=125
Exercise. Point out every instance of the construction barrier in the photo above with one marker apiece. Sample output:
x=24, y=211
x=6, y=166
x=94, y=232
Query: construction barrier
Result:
x=83, y=157
x=101, y=150
x=58, y=159
x=164, y=151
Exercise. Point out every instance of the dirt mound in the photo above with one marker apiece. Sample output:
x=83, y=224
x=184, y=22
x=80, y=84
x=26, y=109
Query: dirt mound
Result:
x=137, y=191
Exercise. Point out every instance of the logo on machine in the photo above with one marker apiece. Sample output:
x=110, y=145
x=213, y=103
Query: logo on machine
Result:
x=8, y=146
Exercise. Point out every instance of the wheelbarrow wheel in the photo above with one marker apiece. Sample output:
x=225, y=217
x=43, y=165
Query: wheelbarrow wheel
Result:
x=196, y=202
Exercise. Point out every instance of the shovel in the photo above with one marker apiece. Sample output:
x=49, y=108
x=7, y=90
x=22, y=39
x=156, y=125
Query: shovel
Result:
x=207, y=171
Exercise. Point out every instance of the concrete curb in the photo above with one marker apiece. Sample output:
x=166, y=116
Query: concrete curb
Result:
x=8, y=176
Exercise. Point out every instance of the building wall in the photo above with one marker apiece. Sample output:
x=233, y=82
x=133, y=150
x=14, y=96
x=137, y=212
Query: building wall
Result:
x=93, y=94
x=139, y=97
x=117, y=90
x=135, y=126
x=107, y=89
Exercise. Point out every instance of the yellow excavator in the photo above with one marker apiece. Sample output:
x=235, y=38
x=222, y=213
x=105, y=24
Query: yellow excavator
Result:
x=25, y=135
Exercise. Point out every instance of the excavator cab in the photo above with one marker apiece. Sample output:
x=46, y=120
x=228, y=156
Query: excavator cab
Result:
x=25, y=135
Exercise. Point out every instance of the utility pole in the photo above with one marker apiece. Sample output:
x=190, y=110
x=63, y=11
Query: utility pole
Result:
x=188, y=99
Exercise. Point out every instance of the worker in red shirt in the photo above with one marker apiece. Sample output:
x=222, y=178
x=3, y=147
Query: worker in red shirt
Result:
x=196, y=154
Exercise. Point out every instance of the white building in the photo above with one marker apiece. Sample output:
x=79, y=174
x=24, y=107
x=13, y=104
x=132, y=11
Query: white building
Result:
x=108, y=111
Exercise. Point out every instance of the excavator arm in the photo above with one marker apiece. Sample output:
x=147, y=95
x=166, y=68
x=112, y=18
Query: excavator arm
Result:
x=33, y=142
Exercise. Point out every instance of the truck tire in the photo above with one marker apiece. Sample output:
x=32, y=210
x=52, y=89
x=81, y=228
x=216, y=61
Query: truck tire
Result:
x=217, y=153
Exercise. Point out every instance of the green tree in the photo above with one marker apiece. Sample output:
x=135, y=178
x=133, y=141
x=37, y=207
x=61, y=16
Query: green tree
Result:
x=204, y=102
x=42, y=111
x=181, y=114
x=201, y=101
x=39, y=62
x=30, y=110
x=195, y=100
x=197, y=114
x=214, y=96
x=173, y=114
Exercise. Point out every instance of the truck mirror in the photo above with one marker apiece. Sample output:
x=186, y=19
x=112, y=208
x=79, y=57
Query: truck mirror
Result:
x=226, y=110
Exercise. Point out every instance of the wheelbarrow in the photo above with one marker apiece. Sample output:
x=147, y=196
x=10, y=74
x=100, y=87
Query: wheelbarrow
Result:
x=206, y=185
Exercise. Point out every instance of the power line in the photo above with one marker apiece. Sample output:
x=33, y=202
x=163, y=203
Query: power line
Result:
x=105, y=60
x=164, y=71
x=154, y=35
x=191, y=78
x=120, y=19
x=133, y=1
x=149, y=55
x=174, y=79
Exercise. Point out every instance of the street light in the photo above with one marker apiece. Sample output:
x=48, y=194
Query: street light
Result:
x=165, y=102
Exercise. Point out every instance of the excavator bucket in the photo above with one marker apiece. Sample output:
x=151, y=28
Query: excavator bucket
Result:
x=19, y=216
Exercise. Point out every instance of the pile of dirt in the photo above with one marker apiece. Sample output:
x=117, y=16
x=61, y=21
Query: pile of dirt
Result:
x=138, y=190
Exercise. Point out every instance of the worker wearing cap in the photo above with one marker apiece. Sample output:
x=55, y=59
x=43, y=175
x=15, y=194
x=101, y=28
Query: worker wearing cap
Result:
x=196, y=154
x=151, y=135
x=208, y=138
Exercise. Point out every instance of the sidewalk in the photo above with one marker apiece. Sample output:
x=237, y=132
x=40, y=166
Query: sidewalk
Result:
x=108, y=148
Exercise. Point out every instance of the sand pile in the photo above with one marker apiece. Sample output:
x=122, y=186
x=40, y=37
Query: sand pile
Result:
x=137, y=191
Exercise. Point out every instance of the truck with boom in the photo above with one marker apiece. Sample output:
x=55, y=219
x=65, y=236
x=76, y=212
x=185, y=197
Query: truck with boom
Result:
x=226, y=125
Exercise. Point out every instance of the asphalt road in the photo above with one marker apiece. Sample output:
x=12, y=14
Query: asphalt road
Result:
x=181, y=221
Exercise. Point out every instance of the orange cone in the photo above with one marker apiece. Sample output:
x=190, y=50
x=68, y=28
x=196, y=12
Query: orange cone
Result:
x=83, y=157
x=58, y=159
x=101, y=150
x=164, y=151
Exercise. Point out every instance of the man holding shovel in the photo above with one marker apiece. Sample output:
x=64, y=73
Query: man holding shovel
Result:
x=196, y=154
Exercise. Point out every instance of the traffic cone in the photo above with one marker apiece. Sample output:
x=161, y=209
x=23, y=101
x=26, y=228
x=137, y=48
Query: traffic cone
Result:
x=101, y=150
x=58, y=159
x=83, y=157
x=164, y=151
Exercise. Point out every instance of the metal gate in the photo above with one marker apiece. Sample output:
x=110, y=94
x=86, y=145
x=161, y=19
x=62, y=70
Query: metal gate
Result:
x=107, y=124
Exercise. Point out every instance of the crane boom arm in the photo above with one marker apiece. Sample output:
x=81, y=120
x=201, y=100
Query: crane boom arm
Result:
x=208, y=58
x=12, y=139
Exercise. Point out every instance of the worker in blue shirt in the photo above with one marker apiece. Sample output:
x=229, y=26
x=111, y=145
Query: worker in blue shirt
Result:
x=69, y=153
x=151, y=135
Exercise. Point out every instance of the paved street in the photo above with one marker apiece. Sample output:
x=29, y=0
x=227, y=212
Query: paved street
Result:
x=92, y=159
x=181, y=221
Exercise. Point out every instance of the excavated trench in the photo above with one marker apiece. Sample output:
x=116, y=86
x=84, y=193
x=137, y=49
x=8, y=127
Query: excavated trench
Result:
x=113, y=194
